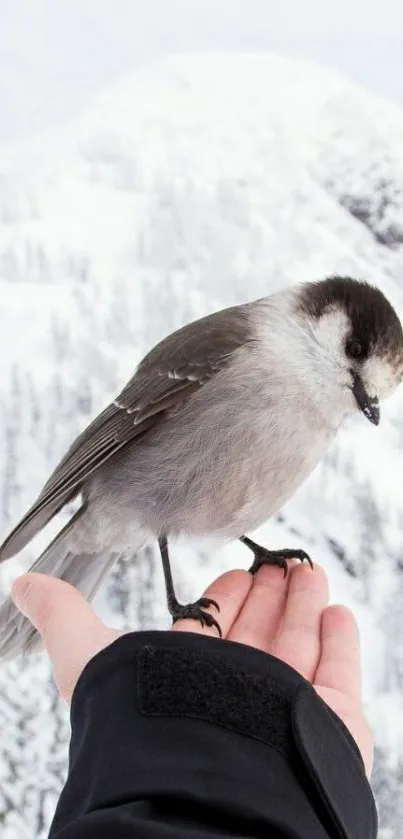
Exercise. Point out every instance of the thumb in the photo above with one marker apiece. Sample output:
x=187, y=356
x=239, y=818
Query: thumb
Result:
x=71, y=631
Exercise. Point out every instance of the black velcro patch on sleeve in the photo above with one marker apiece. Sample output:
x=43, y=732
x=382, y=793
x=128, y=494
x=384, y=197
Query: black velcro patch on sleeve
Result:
x=178, y=683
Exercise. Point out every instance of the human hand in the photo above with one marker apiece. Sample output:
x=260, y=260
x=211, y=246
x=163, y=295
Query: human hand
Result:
x=288, y=618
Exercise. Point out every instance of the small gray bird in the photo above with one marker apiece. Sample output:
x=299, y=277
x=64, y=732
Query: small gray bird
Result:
x=220, y=424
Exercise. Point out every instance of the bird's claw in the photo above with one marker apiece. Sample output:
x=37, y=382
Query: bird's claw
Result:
x=205, y=602
x=279, y=558
x=196, y=611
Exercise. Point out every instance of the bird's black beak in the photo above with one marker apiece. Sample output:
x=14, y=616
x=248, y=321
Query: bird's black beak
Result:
x=368, y=405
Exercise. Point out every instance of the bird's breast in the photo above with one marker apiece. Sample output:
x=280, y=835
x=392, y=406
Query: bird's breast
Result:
x=275, y=462
x=236, y=470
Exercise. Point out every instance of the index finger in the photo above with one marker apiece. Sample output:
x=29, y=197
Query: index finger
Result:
x=230, y=592
x=340, y=660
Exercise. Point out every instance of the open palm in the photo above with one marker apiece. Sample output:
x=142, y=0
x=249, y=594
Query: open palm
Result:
x=288, y=618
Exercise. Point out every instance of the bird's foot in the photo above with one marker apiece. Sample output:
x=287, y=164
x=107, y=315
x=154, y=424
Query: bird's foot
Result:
x=195, y=611
x=265, y=557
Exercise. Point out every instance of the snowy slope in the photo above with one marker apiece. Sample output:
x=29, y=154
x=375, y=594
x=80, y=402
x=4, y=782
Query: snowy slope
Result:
x=204, y=181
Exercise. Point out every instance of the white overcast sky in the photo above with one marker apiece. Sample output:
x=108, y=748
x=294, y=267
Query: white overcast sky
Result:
x=56, y=54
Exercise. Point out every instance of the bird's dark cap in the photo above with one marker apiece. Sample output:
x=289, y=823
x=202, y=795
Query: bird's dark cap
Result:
x=373, y=319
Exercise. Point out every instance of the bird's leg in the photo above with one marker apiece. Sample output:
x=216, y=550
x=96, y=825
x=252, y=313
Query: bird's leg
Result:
x=265, y=557
x=188, y=610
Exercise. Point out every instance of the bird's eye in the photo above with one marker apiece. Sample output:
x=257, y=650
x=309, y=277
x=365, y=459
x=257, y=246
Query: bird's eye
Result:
x=355, y=349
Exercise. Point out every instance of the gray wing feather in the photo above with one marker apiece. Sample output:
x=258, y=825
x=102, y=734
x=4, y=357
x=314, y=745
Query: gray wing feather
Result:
x=165, y=378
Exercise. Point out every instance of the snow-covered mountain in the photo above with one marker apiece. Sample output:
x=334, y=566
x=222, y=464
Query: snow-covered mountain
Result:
x=201, y=182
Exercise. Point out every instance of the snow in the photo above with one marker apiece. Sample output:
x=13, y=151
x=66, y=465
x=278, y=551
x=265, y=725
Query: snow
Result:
x=200, y=182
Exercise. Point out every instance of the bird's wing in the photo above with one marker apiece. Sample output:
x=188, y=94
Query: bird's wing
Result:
x=165, y=378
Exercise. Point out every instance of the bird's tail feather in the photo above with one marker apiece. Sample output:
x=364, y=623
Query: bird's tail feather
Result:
x=84, y=571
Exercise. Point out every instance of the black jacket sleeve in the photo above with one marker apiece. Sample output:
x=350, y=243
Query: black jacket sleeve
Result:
x=183, y=736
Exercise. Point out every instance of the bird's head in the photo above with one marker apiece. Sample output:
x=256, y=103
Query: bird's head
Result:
x=358, y=336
